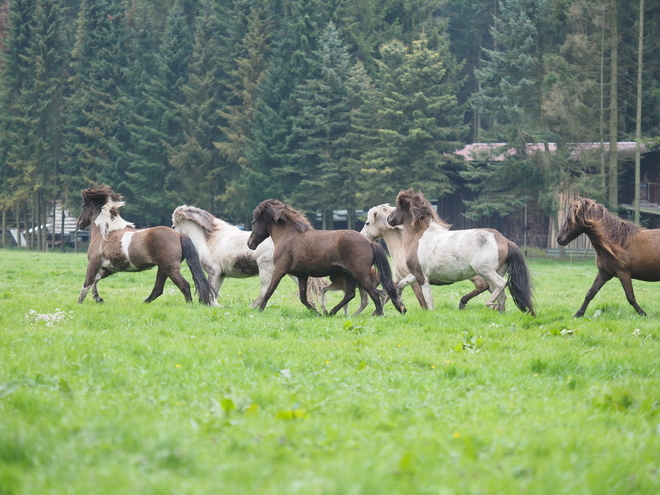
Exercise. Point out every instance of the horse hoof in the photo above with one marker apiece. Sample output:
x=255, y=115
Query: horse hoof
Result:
x=99, y=300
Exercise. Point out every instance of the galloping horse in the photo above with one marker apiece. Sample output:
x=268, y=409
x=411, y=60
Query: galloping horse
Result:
x=115, y=246
x=437, y=256
x=376, y=227
x=304, y=252
x=623, y=249
x=223, y=250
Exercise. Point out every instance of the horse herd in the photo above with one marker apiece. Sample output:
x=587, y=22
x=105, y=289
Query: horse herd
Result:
x=282, y=242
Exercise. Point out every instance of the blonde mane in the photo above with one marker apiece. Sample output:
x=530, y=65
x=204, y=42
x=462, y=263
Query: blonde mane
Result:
x=209, y=224
x=109, y=219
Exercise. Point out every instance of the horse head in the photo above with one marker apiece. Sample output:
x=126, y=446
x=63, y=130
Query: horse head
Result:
x=578, y=219
x=376, y=224
x=414, y=208
x=94, y=198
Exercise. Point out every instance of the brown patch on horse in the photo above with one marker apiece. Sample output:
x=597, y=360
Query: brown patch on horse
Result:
x=283, y=213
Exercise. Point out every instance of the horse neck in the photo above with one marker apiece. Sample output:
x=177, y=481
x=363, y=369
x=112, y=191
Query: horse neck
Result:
x=279, y=231
x=394, y=240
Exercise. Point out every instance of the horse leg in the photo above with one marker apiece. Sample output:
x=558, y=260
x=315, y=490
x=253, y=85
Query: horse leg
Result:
x=601, y=279
x=349, y=293
x=275, y=279
x=626, y=282
x=99, y=276
x=159, y=284
x=93, y=268
x=417, y=289
x=480, y=285
x=337, y=282
x=364, y=301
x=302, y=292
x=424, y=286
x=497, y=284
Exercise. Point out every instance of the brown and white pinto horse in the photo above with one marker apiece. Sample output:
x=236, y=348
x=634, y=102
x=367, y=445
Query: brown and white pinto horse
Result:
x=304, y=252
x=115, y=246
x=623, y=249
x=437, y=256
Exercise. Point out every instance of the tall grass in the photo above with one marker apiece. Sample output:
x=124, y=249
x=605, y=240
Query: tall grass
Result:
x=125, y=397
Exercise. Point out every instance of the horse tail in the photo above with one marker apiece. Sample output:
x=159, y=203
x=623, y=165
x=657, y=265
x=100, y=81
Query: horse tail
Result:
x=206, y=293
x=520, y=283
x=385, y=273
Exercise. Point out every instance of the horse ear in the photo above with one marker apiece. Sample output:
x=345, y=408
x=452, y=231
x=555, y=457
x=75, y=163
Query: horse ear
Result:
x=277, y=214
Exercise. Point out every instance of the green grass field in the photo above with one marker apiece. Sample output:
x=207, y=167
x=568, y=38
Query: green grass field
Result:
x=124, y=397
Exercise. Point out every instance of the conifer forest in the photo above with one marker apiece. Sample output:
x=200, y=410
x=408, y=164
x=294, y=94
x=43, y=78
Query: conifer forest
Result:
x=325, y=105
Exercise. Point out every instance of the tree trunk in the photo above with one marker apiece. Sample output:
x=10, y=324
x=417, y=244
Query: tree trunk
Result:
x=4, y=227
x=613, y=195
x=638, y=126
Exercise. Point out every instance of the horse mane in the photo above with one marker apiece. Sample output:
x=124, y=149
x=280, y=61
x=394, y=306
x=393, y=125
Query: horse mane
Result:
x=612, y=232
x=419, y=207
x=283, y=213
x=208, y=223
x=109, y=203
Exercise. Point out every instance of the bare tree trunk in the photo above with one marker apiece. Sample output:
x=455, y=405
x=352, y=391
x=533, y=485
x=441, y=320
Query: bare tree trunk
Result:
x=4, y=227
x=638, y=126
x=614, y=111
x=18, y=224
x=29, y=224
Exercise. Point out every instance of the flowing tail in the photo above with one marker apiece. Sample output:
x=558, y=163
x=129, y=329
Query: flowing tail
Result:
x=520, y=283
x=385, y=272
x=206, y=293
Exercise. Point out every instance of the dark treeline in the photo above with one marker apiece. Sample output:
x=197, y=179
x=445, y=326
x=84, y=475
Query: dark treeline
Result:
x=323, y=104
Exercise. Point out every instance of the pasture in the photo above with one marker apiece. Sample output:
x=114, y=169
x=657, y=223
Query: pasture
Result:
x=125, y=397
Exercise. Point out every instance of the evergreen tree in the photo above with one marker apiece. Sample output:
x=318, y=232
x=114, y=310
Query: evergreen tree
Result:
x=96, y=113
x=197, y=166
x=321, y=121
x=17, y=73
x=240, y=114
x=419, y=119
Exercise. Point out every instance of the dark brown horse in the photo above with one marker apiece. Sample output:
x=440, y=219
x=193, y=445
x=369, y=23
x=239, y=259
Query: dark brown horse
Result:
x=115, y=246
x=623, y=249
x=304, y=252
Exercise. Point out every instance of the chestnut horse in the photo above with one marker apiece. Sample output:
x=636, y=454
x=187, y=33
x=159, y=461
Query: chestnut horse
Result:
x=437, y=256
x=376, y=227
x=304, y=252
x=623, y=250
x=115, y=246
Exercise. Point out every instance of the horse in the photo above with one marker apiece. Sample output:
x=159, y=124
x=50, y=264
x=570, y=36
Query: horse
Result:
x=623, y=250
x=437, y=256
x=223, y=250
x=116, y=246
x=302, y=251
x=376, y=227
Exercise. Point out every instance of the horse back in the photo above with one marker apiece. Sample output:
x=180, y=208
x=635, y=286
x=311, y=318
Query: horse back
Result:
x=320, y=253
x=131, y=249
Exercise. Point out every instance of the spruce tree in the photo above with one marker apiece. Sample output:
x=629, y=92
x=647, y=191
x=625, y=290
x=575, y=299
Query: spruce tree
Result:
x=197, y=166
x=419, y=119
x=321, y=121
x=96, y=111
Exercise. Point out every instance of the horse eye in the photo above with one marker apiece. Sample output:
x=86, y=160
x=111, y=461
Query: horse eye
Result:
x=367, y=222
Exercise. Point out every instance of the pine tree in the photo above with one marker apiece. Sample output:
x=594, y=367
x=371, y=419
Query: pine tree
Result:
x=96, y=113
x=197, y=166
x=322, y=119
x=420, y=122
x=238, y=140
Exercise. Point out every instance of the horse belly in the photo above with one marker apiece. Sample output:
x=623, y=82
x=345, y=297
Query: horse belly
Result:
x=443, y=264
x=116, y=254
